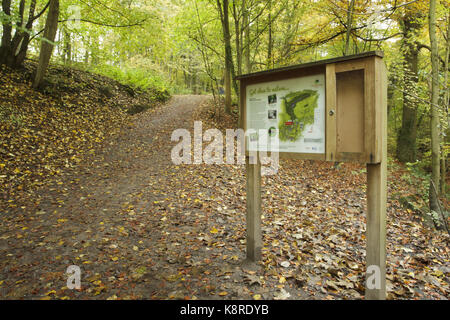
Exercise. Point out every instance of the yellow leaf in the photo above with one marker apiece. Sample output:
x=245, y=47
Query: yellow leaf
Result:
x=223, y=293
x=438, y=273
x=257, y=297
x=214, y=230
x=114, y=258
x=282, y=279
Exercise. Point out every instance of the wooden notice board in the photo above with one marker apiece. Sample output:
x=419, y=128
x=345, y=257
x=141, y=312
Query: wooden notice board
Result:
x=333, y=110
x=348, y=108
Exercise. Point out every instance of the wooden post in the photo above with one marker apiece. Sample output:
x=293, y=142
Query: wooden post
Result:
x=377, y=196
x=254, y=235
x=376, y=231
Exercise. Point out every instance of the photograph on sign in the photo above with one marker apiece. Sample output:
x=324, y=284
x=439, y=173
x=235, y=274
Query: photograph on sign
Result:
x=287, y=115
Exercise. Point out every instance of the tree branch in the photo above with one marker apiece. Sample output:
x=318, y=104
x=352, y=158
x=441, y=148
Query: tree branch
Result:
x=379, y=39
x=40, y=13
x=105, y=24
x=424, y=46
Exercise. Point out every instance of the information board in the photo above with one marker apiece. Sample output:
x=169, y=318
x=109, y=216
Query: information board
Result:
x=329, y=110
x=287, y=115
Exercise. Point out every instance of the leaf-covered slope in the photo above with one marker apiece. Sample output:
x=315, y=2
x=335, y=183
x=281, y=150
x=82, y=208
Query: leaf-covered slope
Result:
x=42, y=132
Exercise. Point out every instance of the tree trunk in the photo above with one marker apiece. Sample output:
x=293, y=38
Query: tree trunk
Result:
x=5, y=48
x=86, y=56
x=51, y=26
x=446, y=104
x=87, y=45
x=270, y=43
x=18, y=36
x=67, y=47
x=406, y=139
x=238, y=38
x=246, y=22
x=13, y=50
x=223, y=10
x=227, y=85
x=435, y=165
x=349, y=26
x=194, y=82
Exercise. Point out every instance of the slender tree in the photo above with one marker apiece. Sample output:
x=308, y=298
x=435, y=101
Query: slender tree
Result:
x=446, y=104
x=435, y=164
x=270, y=41
x=349, y=26
x=51, y=26
x=246, y=40
x=410, y=24
x=224, y=17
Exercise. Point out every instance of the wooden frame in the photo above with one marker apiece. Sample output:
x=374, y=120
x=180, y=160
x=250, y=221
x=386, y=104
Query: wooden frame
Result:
x=369, y=64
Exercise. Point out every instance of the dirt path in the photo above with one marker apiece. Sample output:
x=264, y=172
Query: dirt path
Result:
x=104, y=218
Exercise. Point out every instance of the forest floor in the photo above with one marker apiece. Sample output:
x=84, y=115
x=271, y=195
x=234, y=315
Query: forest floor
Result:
x=141, y=227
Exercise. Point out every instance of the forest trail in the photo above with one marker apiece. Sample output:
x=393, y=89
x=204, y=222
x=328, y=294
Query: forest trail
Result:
x=95, y=208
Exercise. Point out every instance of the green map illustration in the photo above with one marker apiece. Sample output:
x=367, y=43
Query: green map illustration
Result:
x=297, y=111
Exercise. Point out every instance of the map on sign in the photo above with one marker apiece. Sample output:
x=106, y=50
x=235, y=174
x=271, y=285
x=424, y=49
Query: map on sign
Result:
x=287, y=115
